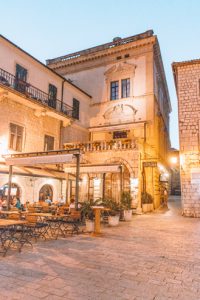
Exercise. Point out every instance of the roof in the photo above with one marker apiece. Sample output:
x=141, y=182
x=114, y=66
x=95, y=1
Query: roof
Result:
x=185, y=63
x=175, y=65
x=38, y=61
x=116, y=42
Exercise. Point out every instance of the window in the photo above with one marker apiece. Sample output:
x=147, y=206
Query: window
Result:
x=16, y=137
x=76, y=105
x=126, y=88
x=114, y=90
x=48, y=143
x=120, y=135
x=21, y=77
x=52, y=95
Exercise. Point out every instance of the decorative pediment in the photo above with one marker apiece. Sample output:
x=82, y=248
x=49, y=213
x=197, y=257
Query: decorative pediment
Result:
x=120, y=113
x=120, y=68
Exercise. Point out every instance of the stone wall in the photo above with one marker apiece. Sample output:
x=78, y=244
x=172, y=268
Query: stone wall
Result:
x=187, y=78
x=30, y=186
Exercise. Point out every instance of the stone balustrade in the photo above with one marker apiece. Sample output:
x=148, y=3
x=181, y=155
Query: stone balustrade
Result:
x=103, y=145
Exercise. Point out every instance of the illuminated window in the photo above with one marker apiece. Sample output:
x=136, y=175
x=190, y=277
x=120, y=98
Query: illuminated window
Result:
x=119, y=134
x=48, y=143
x=114, y=90
x=16, y=137
x=125, y=88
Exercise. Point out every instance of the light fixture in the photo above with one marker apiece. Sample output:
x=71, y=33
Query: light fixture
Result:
x=134, y=182
x=96, y=181
x=173, y=160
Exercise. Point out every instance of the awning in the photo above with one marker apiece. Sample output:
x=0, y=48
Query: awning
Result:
x=33, y=171
x=35, y=160
x=95, y=169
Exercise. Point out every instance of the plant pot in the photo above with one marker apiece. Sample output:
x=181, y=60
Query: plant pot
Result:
x=145, y=207
x=113, y=220
x=150, y=206
x=89, y=225
x=128, y=215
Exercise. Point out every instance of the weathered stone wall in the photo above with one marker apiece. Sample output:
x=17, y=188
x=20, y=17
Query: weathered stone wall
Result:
x=188, y=76
x=35, y=127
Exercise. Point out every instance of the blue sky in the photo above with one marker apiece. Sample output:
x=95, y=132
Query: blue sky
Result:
x=50, y=28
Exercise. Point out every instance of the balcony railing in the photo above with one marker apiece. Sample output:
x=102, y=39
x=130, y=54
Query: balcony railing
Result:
x=34, y=93
x=103, y=146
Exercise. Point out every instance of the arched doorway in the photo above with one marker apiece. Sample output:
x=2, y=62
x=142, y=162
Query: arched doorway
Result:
x=15, y=191
x=45, y=191
x=115, y=181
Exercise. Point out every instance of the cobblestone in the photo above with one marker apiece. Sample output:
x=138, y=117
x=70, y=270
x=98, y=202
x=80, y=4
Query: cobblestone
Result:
x=154, y=257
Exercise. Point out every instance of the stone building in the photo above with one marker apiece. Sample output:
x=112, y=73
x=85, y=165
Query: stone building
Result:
x=126, y=138
x=36, y=104
x=187, y=82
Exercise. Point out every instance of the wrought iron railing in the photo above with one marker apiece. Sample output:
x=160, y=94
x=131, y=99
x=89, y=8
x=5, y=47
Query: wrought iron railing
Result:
x=103, y=145
x=34, y=93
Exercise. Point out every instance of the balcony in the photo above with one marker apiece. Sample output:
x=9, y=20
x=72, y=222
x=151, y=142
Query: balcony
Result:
x=112, y=145
x=34, y=93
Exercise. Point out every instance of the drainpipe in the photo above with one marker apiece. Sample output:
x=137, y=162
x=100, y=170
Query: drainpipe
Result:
x=61, y=122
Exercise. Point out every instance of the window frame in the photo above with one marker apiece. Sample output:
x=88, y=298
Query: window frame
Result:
x=52, y=95
x=115, y=88
x=127, y=88
x=120, y=132
x=15, y=139
x=76, y=110
x=46, y=136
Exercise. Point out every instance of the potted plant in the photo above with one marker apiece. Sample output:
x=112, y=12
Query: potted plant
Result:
x=114, y=211
x=126, y=201
x=147, y=202
x=88, y=213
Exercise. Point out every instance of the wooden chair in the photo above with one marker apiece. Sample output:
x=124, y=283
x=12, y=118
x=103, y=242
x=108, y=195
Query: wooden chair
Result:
x=32, y=209
x=39, y=229
x=73, y=222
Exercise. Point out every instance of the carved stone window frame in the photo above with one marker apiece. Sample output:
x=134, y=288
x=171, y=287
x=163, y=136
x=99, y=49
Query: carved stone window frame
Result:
x=118, y=72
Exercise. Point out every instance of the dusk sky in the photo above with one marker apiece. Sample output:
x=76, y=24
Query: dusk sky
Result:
x=51, y=28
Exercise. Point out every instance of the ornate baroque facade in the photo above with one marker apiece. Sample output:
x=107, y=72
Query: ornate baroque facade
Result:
x=128, y=117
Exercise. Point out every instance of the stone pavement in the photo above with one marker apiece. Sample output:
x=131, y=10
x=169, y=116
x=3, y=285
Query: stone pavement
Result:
x=156, y=256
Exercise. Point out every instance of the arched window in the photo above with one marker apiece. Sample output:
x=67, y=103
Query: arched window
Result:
x=45, y=191
x=15, y=190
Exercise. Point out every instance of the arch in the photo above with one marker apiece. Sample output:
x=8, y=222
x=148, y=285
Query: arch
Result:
x=122, y=161
x=45, y=191
x=16, y=190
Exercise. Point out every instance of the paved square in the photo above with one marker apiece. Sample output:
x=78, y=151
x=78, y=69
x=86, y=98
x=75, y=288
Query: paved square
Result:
x=156, y=256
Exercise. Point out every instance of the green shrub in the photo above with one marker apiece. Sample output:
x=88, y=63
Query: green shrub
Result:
x=147, y=198
x=126, y=200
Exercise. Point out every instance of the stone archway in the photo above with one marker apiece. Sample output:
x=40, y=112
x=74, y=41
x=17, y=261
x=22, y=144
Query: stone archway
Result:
x=46, y=191
x=16, y=190
x=115, y=183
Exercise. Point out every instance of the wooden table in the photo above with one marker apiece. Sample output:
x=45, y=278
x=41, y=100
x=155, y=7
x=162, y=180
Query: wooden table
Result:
x=6, y=223
x=97, y=222
x=9, y=212
x=40, y=214
x=13, y=212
